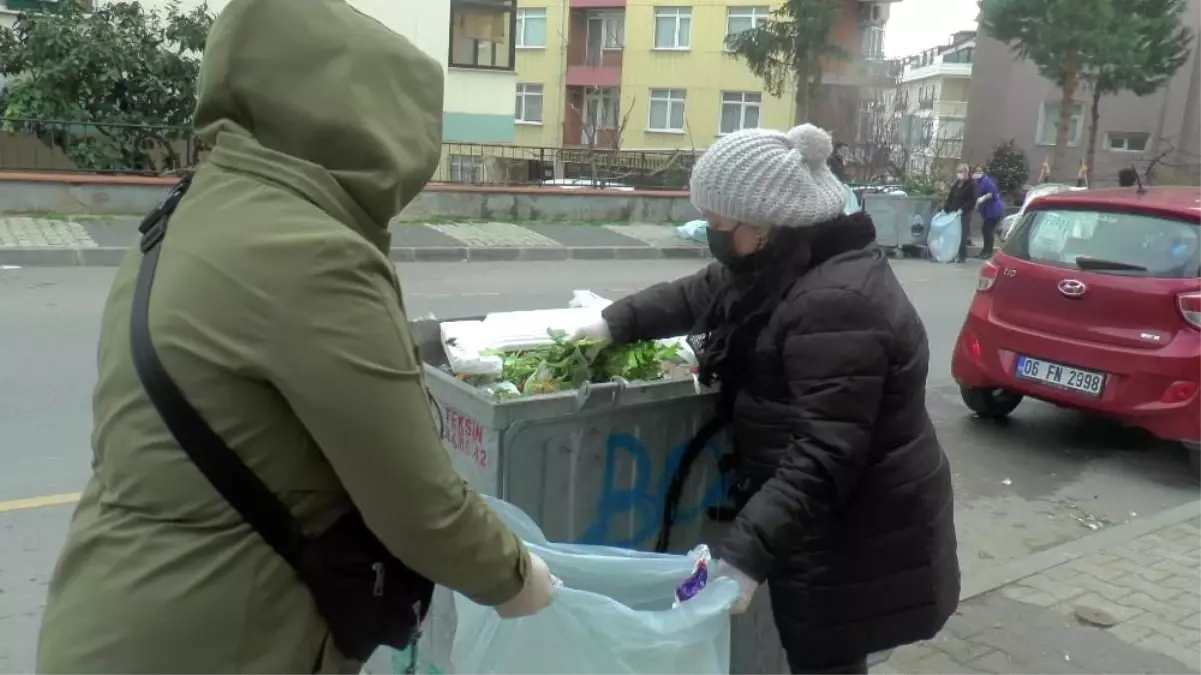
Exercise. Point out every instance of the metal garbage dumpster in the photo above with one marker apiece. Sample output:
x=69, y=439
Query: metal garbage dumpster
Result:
x=589, y=466
x=902, y=222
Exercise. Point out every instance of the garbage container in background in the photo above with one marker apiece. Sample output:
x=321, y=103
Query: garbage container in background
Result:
x=589, y=466
x=902, y=222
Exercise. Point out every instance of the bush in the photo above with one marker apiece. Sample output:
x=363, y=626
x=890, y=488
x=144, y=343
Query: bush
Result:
x=1009, y=167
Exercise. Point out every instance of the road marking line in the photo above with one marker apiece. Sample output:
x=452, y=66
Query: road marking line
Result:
x=39, y=502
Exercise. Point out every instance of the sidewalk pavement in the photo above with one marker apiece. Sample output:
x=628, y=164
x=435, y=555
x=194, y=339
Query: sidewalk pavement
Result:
x=1126, y=600
x=102, y=241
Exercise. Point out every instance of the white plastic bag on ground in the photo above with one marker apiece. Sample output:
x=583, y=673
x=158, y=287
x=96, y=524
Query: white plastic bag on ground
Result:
x=943, y=240
x=695, y=230
x=613, y=614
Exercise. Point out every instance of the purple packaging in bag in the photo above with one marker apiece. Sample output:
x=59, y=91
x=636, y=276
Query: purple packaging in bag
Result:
x=699, y=577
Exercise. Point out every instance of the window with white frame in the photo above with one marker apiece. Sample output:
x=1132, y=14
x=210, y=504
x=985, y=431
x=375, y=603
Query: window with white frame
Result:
x=1127, y=141
x=612, y=26
x=1048, y=123
x=666, y=110
x=740, y=19
x=531, y=28
x=673, y=27
x=529, y=104
x=739, y=110
x=873, y=42
x=466, y=168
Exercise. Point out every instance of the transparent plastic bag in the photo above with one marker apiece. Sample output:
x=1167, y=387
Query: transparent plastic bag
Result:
x=943, y=240
x=613, y=614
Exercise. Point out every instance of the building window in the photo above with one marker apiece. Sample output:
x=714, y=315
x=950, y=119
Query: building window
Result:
x=466, y=169
x=613, y=28
x=741, y=19
x=739, y=110
x=873, y=42
x=673, y=27
x=481, y=34
x=1048, y=123
x=1127, y=141
x=531, y=28
x=666, y=111
x=529, y=104
x=961, y=56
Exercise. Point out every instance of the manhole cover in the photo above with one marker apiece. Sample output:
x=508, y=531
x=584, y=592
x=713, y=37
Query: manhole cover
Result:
x=1095, y=617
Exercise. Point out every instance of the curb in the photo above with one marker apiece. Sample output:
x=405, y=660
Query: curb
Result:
x=1014, y=571
x=111, y=256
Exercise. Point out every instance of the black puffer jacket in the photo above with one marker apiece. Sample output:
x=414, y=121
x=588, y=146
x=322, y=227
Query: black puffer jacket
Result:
x=852, y=522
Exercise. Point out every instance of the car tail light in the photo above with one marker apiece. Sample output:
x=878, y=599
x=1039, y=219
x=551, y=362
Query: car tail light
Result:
x=1190, y=307
x=988, y=276
x=1179, y=392
x=973, y=346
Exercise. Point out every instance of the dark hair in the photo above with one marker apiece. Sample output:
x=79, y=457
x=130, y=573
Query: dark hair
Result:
x=839, y=146
x=979, y=168
x=1127, y=177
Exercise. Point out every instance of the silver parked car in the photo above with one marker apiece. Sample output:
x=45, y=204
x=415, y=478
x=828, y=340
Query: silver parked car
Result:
x=1040, y=190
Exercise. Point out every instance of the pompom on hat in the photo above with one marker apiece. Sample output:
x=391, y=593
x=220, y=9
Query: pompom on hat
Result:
x=769, y=178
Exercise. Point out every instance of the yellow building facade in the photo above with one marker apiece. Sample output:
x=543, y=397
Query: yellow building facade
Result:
x=650, y=74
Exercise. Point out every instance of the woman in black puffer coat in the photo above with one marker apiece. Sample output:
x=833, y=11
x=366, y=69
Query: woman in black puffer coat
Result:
x=850, y=516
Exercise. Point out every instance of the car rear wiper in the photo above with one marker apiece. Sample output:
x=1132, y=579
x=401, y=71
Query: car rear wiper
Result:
x=1086, y=263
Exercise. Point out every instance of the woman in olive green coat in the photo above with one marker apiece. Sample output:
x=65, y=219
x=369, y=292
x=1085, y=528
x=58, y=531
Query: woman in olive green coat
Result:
x=277, y=312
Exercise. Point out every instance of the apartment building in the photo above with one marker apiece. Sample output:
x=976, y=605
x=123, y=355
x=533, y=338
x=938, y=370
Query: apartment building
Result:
x=468, y=37
x=929, y=104
x=1008, y=99
x=656, y=74
x=9, y=9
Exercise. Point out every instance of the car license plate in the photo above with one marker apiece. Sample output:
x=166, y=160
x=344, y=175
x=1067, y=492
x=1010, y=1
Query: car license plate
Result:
x=1057, y=375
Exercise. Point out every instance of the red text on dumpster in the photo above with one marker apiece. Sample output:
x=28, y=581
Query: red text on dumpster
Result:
x=466, y=436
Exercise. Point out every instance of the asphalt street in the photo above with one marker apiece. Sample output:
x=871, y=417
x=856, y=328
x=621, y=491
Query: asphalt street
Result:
x=1046, y=477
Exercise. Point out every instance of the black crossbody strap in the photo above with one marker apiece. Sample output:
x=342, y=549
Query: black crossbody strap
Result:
x=249, y=496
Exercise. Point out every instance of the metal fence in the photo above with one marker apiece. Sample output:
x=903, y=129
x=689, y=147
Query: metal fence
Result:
x=565, y=167
x=91, y=147
x=137, y=149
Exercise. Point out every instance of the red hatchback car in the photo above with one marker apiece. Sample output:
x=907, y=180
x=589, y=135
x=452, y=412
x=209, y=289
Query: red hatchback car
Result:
x=1093, y=303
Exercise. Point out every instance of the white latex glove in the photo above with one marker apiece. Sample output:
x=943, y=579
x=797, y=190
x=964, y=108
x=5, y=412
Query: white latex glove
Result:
x=746, y=587
x=594, y=329
x=537, y=593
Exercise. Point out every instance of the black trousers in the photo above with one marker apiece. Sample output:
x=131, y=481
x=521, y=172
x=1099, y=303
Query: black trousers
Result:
x=819, y=664
x=965, y=233
x=989, y=230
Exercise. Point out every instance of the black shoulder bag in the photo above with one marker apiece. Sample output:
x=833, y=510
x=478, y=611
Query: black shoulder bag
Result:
x=366, y=595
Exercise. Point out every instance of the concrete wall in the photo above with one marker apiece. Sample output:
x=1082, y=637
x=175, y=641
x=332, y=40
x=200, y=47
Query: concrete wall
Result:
x=123, y=195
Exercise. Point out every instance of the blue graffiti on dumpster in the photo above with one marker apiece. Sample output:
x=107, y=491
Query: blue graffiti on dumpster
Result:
x=642, y=503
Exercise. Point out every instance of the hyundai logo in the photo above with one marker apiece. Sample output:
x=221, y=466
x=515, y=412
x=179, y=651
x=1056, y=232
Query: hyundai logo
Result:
x=1072, y=288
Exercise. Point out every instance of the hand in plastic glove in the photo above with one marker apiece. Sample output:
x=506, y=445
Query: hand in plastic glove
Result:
x=746, y=587
x=594, y=329
x=537, y=593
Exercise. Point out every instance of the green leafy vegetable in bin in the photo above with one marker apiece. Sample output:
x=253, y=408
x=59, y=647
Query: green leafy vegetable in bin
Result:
x=567, y=364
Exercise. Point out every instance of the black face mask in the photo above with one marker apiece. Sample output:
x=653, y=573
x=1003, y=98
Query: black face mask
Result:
x=721, y=244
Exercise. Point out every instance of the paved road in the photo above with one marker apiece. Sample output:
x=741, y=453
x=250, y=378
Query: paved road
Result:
x=1047, y=477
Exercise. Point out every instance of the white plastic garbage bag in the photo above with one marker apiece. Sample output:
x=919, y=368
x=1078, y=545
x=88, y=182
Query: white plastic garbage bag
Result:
x=943, y=240
x=695, y=230
x=852, y=205
x=613, y=614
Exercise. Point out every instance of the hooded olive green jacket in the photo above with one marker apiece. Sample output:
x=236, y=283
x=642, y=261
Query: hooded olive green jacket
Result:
x=278, y=314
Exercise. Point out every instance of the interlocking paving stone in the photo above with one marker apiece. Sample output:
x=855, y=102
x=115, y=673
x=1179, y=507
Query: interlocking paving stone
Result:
x=26, y=232
x=493, y=235
x=653, y=235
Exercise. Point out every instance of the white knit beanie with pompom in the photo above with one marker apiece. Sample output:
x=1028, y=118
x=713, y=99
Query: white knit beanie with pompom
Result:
x=769, y=178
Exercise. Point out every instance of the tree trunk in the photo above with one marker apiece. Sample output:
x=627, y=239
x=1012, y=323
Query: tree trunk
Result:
x=1065, y=116
x=1094, y=118
x=803, y=89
